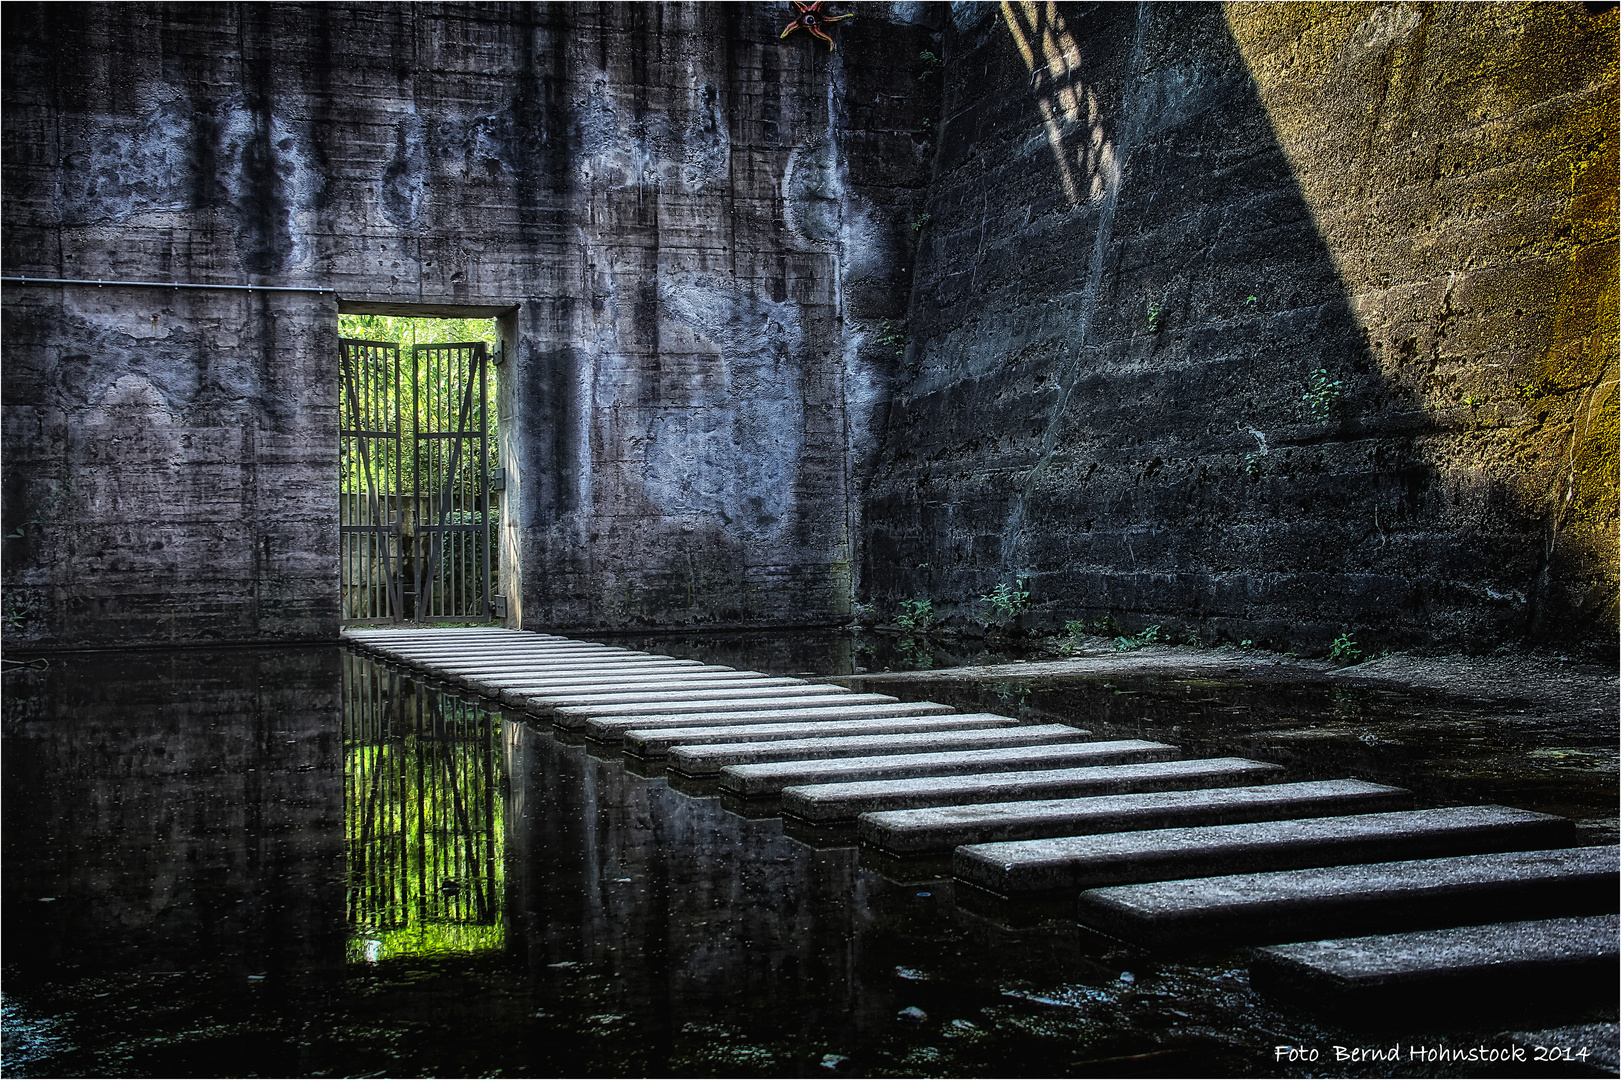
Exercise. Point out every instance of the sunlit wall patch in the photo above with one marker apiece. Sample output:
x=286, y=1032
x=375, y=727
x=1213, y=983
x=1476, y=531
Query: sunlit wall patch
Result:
x=1070, y=110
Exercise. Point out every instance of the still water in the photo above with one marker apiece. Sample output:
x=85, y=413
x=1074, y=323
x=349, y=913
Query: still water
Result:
x=296, y=862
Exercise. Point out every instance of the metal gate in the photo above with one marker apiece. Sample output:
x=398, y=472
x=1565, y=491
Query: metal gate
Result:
x=415, y=517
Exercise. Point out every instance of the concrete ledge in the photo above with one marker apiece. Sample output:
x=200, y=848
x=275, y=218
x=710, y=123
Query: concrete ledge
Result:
x=667, y=699
x=910, y=833
x=1084, y=862
x=657, y=742
x=774, y=778
x=1466, y=969
x=610, y=729
x=709, y=760
x=1292, y=905
x=770, y=699
x=824, y=803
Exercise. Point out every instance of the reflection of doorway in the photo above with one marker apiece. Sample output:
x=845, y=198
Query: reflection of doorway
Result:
x=417, y=518
x=424, y=816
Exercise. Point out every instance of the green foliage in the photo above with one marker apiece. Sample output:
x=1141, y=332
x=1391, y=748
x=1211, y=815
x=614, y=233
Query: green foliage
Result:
x=18, y=613
x=1249, y=302
x=408, y=332
x=1155, y=317
x=931, y=65
x=1322, y=394
x=921, y=221
x=1006, y=601
x=1146, y=636
x=893, y=335
x=1344, y=649
x=1252, y=465
x=916, y=614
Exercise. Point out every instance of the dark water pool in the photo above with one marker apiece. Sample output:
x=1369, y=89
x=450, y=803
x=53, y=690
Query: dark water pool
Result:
x=297, y=863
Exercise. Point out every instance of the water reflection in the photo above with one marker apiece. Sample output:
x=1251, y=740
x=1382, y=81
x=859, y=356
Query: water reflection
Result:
x=201, y=848
x=423, y=818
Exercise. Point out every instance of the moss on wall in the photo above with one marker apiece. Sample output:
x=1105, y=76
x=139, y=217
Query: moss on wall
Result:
x=1460, y=160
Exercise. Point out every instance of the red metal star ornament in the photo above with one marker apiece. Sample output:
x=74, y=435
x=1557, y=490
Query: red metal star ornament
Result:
x=811, y=17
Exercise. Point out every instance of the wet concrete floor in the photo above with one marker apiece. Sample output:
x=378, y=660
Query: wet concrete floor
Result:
x=297, y=863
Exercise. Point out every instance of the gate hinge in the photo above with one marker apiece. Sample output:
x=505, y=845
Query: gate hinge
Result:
x=498, y=480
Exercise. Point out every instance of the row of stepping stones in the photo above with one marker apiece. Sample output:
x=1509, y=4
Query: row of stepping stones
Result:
x=1358, y=902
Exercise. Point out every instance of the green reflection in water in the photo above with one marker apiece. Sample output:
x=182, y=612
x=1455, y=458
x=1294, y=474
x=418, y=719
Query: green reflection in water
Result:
x=423, y=818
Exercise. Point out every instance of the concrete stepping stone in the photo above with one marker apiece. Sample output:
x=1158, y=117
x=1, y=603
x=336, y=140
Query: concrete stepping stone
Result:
x=767, y=779
x=611, y=729
x=536, y=676
x=1085, y=862
x=910, y=833
x=710, y=760
x=657, y=742
x=640, y=673
x=547, y=664
x=570, y=712
x=828, y=803
x=1464, y=969
x=486, y=653
x=606, y=691
x=1368, y=898
x=540, y=681
x=611, y=682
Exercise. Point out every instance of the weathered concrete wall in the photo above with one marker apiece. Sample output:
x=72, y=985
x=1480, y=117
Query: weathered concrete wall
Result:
x=1151, y=223
x=692, y=226
x=1145, y=227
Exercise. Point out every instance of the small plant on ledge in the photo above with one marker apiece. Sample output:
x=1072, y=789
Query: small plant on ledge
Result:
x=1344, y=650
x=915, y=615
x=1006, y=601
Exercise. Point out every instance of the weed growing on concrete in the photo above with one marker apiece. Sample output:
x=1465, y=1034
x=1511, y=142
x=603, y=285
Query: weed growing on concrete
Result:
x=931, y=65
x=1249, y=302
x=1247, y=643
x=18, y=613
x=1146, y=636
x=1344, y=649
x=1006, y=601
x=919, y=222
x=1252, y=465
x=916, y=614
x=1323, y=394
x=1155, y=314
x=893, y=335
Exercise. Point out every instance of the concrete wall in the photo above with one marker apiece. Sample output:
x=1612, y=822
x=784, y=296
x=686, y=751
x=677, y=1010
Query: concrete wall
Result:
x=691, y=227
x=1137, y=231
x=1150, y=224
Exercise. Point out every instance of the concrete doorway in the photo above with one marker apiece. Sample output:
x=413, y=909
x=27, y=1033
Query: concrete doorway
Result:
x=419, y=475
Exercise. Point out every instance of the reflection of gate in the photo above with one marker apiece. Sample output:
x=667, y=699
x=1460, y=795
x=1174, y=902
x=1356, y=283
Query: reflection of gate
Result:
x=423, y=813
x=414, y=515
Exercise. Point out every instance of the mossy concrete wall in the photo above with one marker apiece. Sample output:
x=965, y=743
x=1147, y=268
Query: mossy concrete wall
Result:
x=1152, y=225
